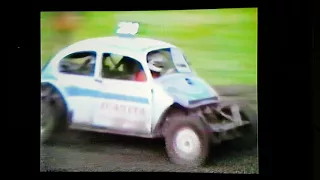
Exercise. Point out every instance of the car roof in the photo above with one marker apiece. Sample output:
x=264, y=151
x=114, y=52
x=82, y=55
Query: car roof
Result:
x=121, y=43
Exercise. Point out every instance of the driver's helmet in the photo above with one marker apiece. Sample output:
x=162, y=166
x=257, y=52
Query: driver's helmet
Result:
x=156, y=62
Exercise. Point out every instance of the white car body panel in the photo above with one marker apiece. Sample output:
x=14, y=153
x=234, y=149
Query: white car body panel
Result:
x=127, y=105
x=119, y=105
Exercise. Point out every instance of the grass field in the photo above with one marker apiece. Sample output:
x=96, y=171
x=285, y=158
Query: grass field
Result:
x=221, y=44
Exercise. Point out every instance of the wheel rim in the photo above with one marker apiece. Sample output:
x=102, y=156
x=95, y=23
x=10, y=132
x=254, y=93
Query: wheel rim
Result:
x=47, y=122
x=187, y=144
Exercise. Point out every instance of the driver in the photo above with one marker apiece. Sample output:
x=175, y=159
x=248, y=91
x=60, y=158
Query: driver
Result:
x=155, y=63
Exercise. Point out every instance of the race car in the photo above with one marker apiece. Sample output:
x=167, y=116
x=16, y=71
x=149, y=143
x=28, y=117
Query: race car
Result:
x=143, y=87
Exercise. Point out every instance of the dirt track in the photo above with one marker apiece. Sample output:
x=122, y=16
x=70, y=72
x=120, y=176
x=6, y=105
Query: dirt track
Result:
x=84, y=151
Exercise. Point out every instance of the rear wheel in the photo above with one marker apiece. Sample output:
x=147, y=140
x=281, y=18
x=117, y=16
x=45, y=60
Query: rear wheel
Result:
x=187, y=142
x=53, y=114
x=48, y=121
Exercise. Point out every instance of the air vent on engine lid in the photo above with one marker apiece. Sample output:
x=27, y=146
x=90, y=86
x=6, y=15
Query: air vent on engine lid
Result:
x=188, y=81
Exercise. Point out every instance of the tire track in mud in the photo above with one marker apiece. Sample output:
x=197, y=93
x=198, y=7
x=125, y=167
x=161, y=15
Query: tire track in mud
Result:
x=87, y=151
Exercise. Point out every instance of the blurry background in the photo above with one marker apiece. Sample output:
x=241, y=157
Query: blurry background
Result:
x=221, y=44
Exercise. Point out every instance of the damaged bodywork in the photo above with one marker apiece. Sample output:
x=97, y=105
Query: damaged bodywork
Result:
x=224, y=120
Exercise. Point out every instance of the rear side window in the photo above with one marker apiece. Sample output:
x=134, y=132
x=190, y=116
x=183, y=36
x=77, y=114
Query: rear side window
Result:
x=79, y=63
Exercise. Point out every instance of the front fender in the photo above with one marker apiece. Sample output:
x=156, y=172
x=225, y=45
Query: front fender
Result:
x=164, y=101
x=158, y=125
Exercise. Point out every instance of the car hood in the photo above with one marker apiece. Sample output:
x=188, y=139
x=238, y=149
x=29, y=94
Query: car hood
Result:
x=187, y=89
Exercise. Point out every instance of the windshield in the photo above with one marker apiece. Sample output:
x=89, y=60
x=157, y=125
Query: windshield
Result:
x=172, y=61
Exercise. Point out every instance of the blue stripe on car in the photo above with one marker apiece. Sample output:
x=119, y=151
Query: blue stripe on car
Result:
x=77, y=91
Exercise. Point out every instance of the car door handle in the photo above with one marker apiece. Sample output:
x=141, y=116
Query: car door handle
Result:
x=98, y=80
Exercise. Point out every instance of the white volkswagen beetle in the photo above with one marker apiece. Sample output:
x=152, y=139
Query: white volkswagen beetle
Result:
x=138, y=87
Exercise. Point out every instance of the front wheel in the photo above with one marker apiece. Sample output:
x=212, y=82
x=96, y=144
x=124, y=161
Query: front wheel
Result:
x=187, y=142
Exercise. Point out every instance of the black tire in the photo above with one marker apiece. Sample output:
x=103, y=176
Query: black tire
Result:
x=52, y=109
x=249, y=132
x=48, y=121
x=178, y=122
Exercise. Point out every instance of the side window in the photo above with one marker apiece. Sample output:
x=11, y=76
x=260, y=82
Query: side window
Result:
x=78, y=63
x=122, y=68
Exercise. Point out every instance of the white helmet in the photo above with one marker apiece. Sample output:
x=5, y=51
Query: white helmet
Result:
x=156, y=62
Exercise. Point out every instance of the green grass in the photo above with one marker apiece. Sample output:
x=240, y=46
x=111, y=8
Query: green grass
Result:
x=221, y=44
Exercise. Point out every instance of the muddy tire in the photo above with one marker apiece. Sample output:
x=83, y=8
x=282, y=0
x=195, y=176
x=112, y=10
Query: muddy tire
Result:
x=48, y=122
x=249, y=132
x=187, y=141
x=53, y=115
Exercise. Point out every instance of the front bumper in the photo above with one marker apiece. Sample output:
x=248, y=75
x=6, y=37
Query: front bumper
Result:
x=225, y=132
x=223, y=126
x=227, y=126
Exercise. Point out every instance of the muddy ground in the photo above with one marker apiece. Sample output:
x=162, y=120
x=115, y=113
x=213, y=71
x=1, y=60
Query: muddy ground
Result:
x=86, y=151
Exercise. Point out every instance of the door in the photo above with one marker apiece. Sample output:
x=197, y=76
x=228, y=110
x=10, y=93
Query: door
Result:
x=77, y=78
x=125, y=105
